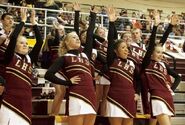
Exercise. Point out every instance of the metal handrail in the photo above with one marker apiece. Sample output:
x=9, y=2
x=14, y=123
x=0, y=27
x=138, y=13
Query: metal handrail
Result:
x=82, y=13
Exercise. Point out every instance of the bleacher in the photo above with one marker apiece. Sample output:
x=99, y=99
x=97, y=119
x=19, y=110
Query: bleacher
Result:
x=179, y=97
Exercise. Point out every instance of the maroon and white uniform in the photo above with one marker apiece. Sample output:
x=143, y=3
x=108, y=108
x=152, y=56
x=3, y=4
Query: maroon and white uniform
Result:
x=18, y=74
x=121, y=91
x=79, y=65
x=53, y=45
x=102, y=50
x=122, y=73
x=94, y=55
x=54, y=53
x=73, y=64
x=18, y=95
x=2, y=51
x=102, y=47
x=138, y=51
x=156, y=75
x=3, y=47
x=82, y=99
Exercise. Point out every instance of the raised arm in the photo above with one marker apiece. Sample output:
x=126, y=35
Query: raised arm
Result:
x=56, y=40
x=115, y=33
x=89, y=38
x=110, y=50
x=146, y=59
x=174, y=21
x=39, y=41
x=76, y=7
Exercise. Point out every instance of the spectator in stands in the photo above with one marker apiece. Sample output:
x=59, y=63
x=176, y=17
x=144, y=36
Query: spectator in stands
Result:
x=51, y=16
x=17, y=105
x=62, y=19
x=3, y=1
x=137, y=35
x=160, y=29
x=123, y=22
x=143, y=22
x=105, y=19
x=128, y=28
x=23, y=3
x=14, y=2
x=137, y=45
x=7, y=24
x=127, y=37
x=65, y=7
x=167, y=21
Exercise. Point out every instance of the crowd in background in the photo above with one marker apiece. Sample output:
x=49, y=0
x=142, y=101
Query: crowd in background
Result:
x=128, y=18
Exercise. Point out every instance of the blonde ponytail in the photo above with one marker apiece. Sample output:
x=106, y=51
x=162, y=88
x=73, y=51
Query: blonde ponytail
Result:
x=62, y=46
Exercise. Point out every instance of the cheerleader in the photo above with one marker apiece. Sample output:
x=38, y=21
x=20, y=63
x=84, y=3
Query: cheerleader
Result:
x=17, y=105
x=102, y=82
x=123, y=73
x=76, y=67
x=50, y=54
x=2, y=82
x=96, y=55
x=7, y=24
x=155, y=74
x=174, y=21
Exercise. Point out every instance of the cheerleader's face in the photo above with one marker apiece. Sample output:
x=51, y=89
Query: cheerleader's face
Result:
x=157, y=54
x=61, y=30
x=73, y=41
x=83, y=37
x=136, y=34
x=101, y=32
x=127, y=38
x=22, y=46
x=122, y=50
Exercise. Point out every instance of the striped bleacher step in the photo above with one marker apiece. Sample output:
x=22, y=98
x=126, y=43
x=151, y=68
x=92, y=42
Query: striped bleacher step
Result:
x=181, y=86
x=62, y=120
x=43, y=106
x=179, y=108
x=178, y=120
x=179, y=96
x=49, y=120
